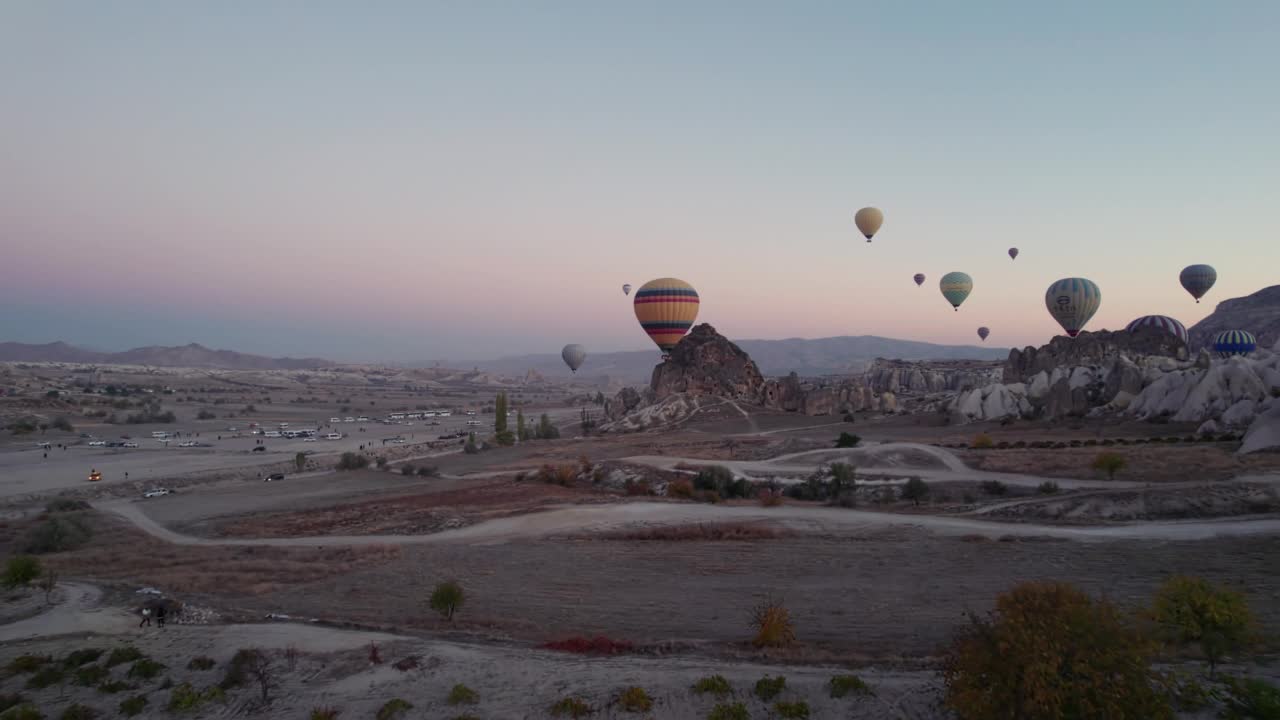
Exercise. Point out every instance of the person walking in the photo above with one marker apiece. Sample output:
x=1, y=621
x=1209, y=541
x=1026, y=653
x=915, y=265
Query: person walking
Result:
x=146, y=618
x=160, y=615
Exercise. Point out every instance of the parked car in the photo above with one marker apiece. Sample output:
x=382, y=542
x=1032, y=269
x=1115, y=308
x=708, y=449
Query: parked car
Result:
x=188, y=443
x=308, y=439
x=130, y=444
x=260, y=448
x=273, y=477
x=115, y=444
x=97, y=443
x=157, y=492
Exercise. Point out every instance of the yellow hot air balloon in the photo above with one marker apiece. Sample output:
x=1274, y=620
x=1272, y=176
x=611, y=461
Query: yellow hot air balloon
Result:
x=869, y=220
x=666, y=309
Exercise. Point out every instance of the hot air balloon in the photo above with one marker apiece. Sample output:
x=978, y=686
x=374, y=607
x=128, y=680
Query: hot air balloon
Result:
x=1234, y=342
x=666, y=309
x=919, y=278
x=869, y=220
x=1013, y=253
x=1163, y=322
x=626, y=288
x=1072, y=301
x=1197, y=279
x=955, y=287
x=573, y=356
x=983, y=332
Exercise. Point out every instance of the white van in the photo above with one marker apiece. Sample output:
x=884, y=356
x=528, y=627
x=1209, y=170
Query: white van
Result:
x=271, y=434
x=333, y=436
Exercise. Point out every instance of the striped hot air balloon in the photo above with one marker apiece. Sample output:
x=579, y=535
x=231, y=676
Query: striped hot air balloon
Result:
x=1163, y=322
x=1197, y=279
x=1234, y=342
x=666, y=309
x=919, y=278
x=955, y=287
x=1072, y=301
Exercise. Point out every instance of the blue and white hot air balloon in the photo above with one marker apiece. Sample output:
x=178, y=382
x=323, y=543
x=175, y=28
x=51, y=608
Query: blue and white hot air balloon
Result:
x=1234, y=342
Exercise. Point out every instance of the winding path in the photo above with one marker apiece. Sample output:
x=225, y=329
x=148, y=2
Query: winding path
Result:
x=578, y=519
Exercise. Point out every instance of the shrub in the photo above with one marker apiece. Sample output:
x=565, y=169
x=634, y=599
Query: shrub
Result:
x=842, y=685
x=983, y=442
x=122, y=655
x=1110, y=463
x=772, y=624
x=428, y=471
x=185, y=697
x=58, y=505
x=1251, y=699
x=352, y=461
x=682, y=489
x=635, y=699
x=375, y=655
x=25, y=711
x=598, y=645
x=714, y=684
x=20, y=571
x=716, y=478
x=393, y=708
x=993, y=487
x=798, y=710
x=201, y=662
x=381, y=462
x=10, y=700
x=46, y=676
x=915, y=490
x=28, y=663
x=58, y=533
x=769, y=497
x=114, y=686
x=447, y=599
x=91, y=675
x=727, y=711
x=1193, y=611
x=324, y=712
x=406, y=469
x=145, y=669
x=571, y=706
x=1048, y=651
x=406, y=664
x=133, y=706
x=1048, y=487
x=637, y=487
x=768, y=688
x=76, y=711
x=76, y=658
x=461, y=694
x=847, y=440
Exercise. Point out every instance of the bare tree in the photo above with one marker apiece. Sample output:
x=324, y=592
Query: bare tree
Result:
x=48, y=582
x=259, y=667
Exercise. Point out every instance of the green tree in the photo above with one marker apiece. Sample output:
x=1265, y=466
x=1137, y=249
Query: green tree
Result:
x=447, y=599
x=587, y=422
x=1193, y=611
x=847, y=440
x=471, y=448
x=500, y=414
x=1049, y=652
x=915, y=490
x=300, y=461
x=1110, y=463
x=546, y=431
x=20, y=571
x=522, y=430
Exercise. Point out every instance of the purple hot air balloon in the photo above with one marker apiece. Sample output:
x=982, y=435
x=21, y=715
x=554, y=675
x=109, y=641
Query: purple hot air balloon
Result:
x=1013, y=253
x=983, y=332
x=919, y=278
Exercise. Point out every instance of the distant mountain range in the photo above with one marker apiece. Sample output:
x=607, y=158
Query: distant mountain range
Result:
x=1258, y=313
x=193, y=356
x=821, y=356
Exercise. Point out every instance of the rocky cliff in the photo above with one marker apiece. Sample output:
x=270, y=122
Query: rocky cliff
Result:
x=707, y=365
x=922, y=377
x=1258, y=313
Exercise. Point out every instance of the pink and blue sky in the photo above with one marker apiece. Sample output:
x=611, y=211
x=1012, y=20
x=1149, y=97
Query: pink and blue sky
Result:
x=421, y=180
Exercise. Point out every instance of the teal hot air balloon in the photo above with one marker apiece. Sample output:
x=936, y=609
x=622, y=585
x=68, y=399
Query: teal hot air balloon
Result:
x=1197, y=279
x=1234, y=342
x=1072, y=301
x=955, y=287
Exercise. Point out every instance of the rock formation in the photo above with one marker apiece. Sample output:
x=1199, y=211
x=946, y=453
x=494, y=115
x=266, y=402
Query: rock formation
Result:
x=1258, y=313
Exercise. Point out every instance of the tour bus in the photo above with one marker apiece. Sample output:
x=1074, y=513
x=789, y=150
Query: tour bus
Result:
x=159, y=434
x=271, y=434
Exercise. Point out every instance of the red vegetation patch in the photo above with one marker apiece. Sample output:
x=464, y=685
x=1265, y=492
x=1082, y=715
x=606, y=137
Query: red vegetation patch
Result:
x=598, y=645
